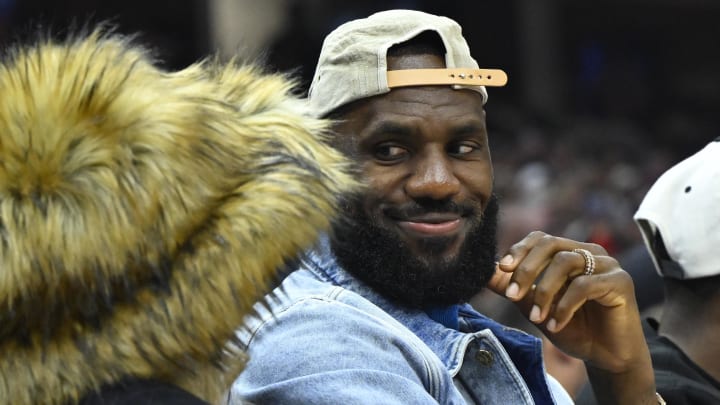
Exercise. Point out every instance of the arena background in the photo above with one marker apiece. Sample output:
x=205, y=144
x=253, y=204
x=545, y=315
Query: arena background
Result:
x=603, y=95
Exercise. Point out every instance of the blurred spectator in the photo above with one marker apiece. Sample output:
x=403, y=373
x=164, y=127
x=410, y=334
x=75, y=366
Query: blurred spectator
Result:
x=679, y=220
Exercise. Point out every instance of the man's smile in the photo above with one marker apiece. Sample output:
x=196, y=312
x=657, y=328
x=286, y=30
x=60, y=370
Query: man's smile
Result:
x=433, y=224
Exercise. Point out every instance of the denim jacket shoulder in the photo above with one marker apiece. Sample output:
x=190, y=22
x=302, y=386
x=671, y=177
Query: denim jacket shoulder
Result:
x=325, y=337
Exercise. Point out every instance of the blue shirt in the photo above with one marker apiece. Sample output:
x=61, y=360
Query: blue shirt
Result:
x=325, y=337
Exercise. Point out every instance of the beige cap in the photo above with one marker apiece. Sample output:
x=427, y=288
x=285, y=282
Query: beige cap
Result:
x=353, y=64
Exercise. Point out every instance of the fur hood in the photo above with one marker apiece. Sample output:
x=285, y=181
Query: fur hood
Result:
x=143, y=212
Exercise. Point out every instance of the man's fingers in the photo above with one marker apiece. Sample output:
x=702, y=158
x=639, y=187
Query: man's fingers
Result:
x=601, y=289
x=519, y=250
x=499, y=281
x=540, y=272
x=532, y=256
x=564, y=267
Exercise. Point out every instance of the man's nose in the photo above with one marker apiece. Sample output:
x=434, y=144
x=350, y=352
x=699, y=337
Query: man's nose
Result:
x=433, y=178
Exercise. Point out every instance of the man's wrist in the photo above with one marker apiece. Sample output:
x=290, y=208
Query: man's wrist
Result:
x=632, y=387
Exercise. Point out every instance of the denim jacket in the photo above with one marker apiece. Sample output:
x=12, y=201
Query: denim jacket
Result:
x=324, y=337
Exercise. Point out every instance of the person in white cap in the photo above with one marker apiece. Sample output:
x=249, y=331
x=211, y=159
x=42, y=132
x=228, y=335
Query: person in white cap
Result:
x=377, y=312
x=679, y=221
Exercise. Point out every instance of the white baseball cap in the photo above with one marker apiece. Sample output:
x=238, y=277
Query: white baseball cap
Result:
x=684, y=207
x=353, y=65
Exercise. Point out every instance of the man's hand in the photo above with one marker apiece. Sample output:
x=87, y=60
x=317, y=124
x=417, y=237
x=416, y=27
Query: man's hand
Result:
x=593, y=317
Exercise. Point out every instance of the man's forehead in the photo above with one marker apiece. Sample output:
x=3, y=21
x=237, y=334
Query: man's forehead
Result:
x=422, y=107
x=415, y=61
x=428, y=100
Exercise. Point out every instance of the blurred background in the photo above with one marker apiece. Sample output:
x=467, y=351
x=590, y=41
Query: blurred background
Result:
x=603, y=95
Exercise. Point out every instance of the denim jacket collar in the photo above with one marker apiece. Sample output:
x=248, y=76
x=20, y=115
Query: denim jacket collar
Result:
x=448, y=344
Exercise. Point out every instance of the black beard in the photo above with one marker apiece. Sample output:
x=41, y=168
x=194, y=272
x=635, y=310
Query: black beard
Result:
x=381, y=259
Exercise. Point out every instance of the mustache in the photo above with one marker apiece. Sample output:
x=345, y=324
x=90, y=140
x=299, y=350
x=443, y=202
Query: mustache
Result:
x=419, y=207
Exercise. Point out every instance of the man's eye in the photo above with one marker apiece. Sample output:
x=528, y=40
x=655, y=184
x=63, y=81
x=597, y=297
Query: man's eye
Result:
x=462, y=149
x=390, y=152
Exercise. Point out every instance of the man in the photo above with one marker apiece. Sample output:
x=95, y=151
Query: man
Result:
x=679, y=223
x=375, y=313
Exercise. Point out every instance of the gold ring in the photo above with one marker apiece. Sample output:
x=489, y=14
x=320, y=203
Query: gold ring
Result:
x=589, y=260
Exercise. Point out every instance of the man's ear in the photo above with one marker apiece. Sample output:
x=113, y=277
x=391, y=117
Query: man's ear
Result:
x=668, y=266
x=342, y=138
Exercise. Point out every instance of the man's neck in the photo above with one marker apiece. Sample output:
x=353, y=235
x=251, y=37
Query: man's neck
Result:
x=695, y=332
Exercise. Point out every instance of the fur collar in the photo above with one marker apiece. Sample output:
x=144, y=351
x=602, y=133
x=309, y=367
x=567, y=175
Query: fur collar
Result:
x=143, y=212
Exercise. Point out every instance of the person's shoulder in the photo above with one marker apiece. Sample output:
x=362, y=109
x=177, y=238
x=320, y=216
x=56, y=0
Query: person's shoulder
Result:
x=304, y=300
x=329, y=335
x=304, y=291
x=678, y=388
x=305, y=295
x=678, y=379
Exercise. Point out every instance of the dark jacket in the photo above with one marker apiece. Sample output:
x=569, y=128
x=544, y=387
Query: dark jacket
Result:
x=677, y=378
x=141, y=392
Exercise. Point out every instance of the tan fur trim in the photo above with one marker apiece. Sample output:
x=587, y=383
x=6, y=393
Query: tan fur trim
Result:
x=144, y=212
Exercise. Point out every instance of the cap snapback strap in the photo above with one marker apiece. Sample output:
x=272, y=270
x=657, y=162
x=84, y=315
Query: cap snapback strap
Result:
x=458, y=76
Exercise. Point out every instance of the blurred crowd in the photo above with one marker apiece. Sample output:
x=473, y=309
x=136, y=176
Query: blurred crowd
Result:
x=584, y=179
x=579, y=170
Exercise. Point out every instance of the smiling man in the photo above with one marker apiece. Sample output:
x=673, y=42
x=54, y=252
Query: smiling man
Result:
x=424, y=152
x=377, y=312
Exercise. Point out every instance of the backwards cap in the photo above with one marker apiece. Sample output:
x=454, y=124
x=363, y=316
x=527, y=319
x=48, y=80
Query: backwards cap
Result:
x=353, y=63
x=684, y=207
